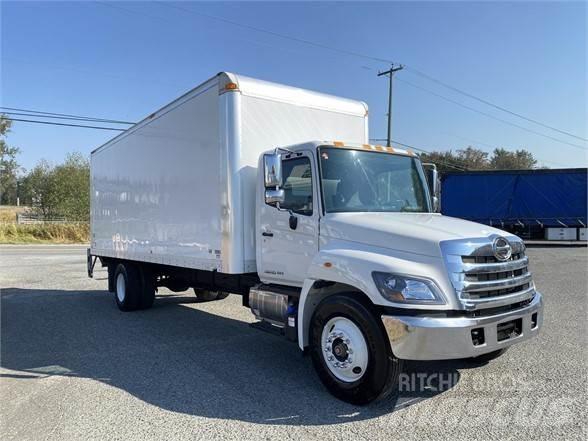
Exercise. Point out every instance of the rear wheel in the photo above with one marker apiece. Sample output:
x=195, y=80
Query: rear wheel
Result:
x=134, y=287
x=127, y=286
x=350, y=351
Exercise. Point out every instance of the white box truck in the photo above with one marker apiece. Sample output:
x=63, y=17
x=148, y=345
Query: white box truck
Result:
x=273, y=193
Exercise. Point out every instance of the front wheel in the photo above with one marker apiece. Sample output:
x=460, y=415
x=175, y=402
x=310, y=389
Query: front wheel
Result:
x=350, y=351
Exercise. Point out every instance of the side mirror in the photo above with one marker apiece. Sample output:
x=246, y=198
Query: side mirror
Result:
x=434, y=185
x=274, y=197
x=272, y=164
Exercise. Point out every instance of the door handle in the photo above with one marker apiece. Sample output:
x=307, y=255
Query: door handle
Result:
x=267, y=234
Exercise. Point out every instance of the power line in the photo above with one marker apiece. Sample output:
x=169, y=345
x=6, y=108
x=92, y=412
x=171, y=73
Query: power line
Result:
x=54, y=116
x=363, y=56
x=378, y=59
x=277, y=34
x=490, y=116
x=488, y=103
x=65, y=124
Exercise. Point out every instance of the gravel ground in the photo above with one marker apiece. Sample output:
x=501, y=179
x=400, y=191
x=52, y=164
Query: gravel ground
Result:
x=74, y=367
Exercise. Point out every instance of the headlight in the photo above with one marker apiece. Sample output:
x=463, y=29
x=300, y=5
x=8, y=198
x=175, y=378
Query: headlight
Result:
x=407, y=289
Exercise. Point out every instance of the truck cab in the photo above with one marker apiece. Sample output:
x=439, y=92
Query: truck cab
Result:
x=353, y=228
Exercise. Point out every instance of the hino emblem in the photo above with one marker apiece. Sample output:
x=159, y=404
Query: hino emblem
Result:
x=502, y=249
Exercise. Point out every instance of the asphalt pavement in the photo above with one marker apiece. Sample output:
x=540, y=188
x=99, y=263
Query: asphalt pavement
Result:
x=73, y=367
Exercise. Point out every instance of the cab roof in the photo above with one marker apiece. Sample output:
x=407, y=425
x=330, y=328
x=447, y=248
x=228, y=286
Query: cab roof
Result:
x=350, y=146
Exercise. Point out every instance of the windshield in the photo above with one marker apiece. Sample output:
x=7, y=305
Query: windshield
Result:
x=356, y=180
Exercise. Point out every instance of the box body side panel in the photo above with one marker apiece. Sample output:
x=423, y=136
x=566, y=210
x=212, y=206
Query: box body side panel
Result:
x=156, y=192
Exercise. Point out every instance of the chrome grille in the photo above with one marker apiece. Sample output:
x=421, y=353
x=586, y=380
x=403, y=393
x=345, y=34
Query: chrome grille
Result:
x=483, y=281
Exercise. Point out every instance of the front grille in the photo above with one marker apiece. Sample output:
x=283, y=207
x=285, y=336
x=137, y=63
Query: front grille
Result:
x=490, y=259
x=483, y=281
x=499, y=292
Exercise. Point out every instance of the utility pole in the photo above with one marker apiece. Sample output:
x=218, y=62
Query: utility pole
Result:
x=390, y=73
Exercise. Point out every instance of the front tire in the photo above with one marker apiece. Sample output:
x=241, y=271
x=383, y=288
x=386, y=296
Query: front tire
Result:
x=350, y=351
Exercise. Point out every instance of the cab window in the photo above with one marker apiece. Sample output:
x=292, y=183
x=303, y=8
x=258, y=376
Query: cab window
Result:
x=297, y=185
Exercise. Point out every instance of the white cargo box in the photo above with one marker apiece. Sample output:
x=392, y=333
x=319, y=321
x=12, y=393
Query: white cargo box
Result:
x=582, y=234
x=560, y=233
x=178, y=188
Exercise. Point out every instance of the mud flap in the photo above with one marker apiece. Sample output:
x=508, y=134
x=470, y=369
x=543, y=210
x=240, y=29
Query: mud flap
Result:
x=90, y=262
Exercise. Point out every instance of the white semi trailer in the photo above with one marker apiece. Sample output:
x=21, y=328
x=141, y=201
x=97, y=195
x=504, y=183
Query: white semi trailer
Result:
x=273, y=193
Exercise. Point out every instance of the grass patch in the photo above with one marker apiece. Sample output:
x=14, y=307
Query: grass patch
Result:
x=8, y=212
x=11, y=233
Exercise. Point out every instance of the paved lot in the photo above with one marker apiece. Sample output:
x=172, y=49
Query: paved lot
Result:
x=74, y=367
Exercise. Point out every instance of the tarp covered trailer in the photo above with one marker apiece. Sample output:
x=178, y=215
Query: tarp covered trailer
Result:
x=521, y=201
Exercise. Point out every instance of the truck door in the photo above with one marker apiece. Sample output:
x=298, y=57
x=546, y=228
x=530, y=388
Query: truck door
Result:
x=289, y=235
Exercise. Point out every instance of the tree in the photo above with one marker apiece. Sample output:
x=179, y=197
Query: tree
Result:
x=39, y=190
x=61, y=190
x=469, y=158
x=475, y=159
x=504, y=160
x=9, y=166
x=72, y=180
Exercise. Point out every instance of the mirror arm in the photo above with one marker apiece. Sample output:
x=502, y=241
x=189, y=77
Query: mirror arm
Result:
x=435, y=184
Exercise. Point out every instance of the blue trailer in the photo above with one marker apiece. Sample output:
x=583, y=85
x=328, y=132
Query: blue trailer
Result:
x=521, y=201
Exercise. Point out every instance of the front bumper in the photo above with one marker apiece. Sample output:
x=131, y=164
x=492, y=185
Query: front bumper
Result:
x=444, y=338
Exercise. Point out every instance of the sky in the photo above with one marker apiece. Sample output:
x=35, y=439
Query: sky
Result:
x=123, y=60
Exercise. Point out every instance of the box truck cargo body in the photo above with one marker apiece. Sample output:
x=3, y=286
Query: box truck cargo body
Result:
x=273, y=193
x=178, y=188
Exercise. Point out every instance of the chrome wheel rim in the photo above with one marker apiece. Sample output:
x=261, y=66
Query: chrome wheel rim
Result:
x=120, y=287
x=344, y=349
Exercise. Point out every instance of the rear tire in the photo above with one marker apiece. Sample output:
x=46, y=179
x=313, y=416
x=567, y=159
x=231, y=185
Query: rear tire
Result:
x=203, y=295
x=127, y=286
x=367, y=372
x=134, y=287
